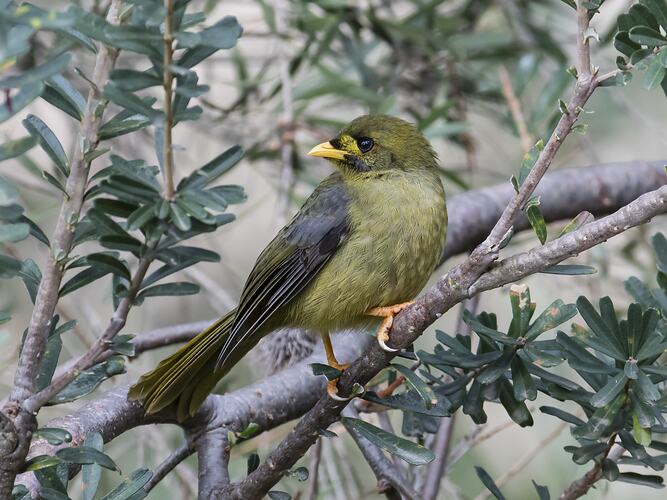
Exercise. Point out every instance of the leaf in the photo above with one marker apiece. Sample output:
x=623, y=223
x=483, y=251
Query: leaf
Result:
x=329, y=372
x=111, y=264
x=609, y=341
x=60, y=93
x=54, y=435
x=659, y=10
x=12, y=149
x=82, y=279
x=121, y=242
x=131, y=486
x=213, y=169
x=37, y=74
x=91, y=473
x=528, y=162
x=410, y=400
x=536, y=219
x=624, y=45
x=11, y=233
x=49, y=362
x=522, y=382
x=222, y=35
x=488, y=482
x=651, y=481
x=417, y=384
x=645, y=35
x=131, y=80
x=48, y=141
x=542, y=491
x=41, y=462
x=9, y=266
x=20, y=100
x=654, y=74
x=570, y=269
x=54, y=182
x=554, y=315
x=129, y=101
x=279, y=495
x=408, y=451
x=612, y=389
x=88, y=380
x=169, y=289
x=580, y=220
x=86, y=455
x=562, y=415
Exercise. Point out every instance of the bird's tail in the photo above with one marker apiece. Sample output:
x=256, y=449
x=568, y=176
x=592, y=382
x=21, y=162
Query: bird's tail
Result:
x=186, y=377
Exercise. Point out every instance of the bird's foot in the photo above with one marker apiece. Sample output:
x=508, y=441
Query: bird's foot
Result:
x=332, y=385
x=388, y=314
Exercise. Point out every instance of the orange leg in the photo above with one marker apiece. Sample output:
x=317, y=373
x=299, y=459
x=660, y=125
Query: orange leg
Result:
x=388, y=314
x=332, y=389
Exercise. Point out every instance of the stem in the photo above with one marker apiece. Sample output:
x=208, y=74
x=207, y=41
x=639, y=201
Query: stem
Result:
x=23, y=422
x=583, y=49
x=167, y=83
x=580, y=487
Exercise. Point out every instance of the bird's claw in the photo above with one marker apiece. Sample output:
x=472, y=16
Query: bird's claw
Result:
x=332, y=391
x=384, y=346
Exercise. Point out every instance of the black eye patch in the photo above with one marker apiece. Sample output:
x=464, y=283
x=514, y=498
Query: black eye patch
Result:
x=365, y=144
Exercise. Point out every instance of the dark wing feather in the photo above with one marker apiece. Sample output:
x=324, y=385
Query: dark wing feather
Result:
x=290, y=262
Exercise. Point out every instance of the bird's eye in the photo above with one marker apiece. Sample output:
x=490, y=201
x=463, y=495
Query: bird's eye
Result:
x=365, y=144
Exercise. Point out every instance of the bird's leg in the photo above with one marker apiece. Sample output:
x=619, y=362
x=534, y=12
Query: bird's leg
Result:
x=388, y=314
x=332, y=389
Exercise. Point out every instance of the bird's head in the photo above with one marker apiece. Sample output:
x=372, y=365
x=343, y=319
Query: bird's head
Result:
x=377, y=143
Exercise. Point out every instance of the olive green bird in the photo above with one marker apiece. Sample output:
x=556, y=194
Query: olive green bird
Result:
x=361, y=247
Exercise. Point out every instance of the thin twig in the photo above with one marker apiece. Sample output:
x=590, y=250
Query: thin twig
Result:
x=580, y=487
x=583, y=48
x=167, y=83
x=169, y=463
x=515, y=108
x=525, y=460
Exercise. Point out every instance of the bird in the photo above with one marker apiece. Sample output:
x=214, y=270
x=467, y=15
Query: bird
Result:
x=358, y=251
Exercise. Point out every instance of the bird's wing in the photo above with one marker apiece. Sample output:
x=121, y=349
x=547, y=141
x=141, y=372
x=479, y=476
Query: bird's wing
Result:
x=290, y=262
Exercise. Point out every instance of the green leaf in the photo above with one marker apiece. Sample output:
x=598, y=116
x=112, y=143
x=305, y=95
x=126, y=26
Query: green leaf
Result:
x=11, y=233
x=213, y=169
x=129, y=101
x=132, y=487
x=169, y=289
x=222, y=35
x=417, y=384
x=408, y=451
x=121, y=242
x=279, y=495
x=42, y=462
x=12, y=149
x=49, y=362
x=488, y=482
x=522, y=382
x=536, y=219
x=9, y=266
x=20, y=100
x=645, y=35
x=48, y=141
x=60, y=93
x=647, y=391
x=54, y=435
x=580, y=220
x=54, y=182
x=82, y=279
x=104, y=261
x=607, y=341
x=37, y=74
x=554, y=315
x=612, y=389
x=542, y=491
x=659, y=10
x=131, y=80
x=88, y=380
x=329, y=372
x=651, y=481
x=562, y=415
x=91, y=473
x=86, y=455
x=517, y=410
x=251, y=429
x=654, y=74
x=624, y=45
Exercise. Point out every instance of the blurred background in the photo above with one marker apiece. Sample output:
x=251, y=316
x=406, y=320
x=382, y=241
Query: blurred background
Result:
x=300, y=71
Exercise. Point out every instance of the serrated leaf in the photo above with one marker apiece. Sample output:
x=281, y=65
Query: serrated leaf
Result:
x=406, y=450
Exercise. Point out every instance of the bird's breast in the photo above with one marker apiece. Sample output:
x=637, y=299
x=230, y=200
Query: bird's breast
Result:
x=395, y=242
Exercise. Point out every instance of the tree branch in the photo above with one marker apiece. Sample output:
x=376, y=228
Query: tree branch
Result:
x=52, y=272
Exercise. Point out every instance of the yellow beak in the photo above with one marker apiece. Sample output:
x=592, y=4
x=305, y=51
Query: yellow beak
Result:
x=326, y=150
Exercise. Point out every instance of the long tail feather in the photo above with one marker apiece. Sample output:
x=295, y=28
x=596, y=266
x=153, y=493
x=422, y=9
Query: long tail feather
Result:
x=189, y=371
